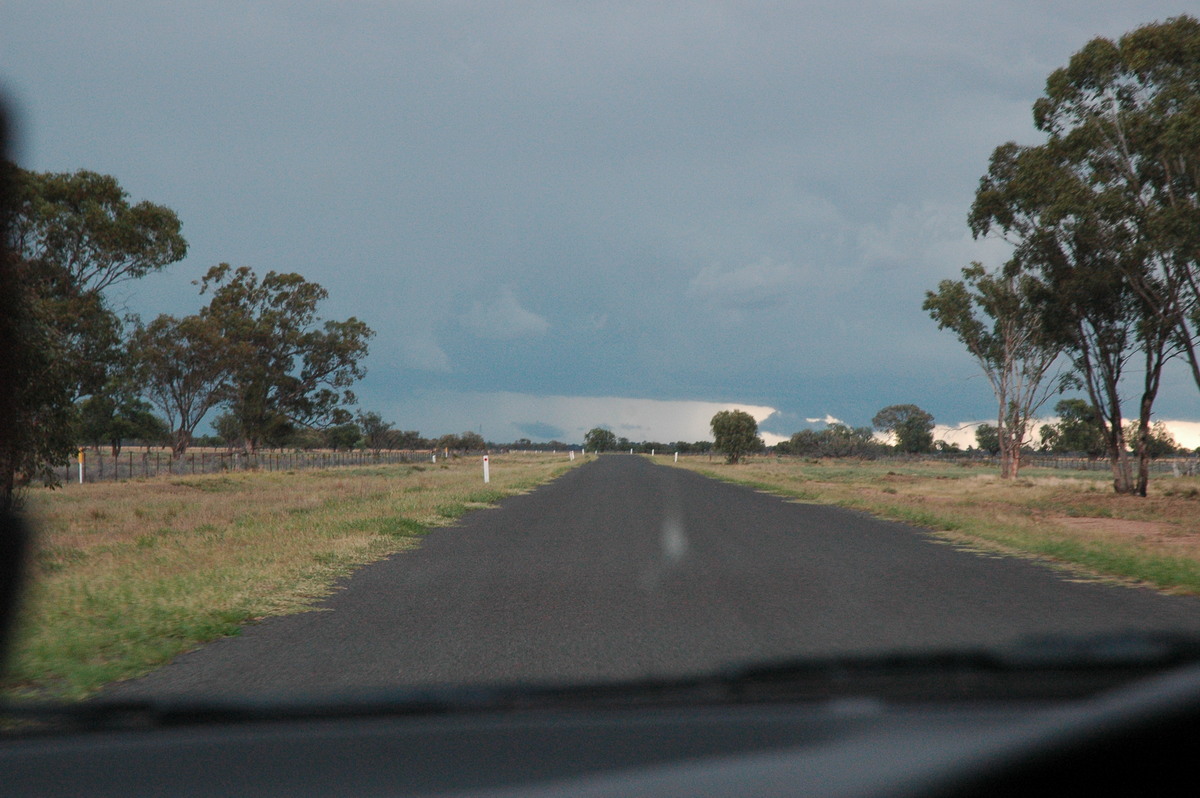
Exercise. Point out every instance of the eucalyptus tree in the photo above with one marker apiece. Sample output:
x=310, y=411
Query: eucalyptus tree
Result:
x=287, y=368
x=735, y=434
x=67, y=237
x=993, y=317
x=1125, y=118
x=82, y=223
x=911, y=426
x=599, y=439
x=1077, y=430
x=1104, y=215
x=183, y=367
x=377, y=434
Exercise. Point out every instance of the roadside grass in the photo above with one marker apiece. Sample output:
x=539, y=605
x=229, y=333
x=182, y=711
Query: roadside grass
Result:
x=126, y=576
x=1069, y=520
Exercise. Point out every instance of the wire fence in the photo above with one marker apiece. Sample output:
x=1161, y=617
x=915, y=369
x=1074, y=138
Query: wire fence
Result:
x=1179, y=466
x=100, y=466
x=1188, y=465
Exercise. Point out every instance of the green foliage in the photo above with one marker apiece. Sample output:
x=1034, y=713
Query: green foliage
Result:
x=67, y=238
x=836, y=440
x=987, y=438
x=38, y=411
x=994, y=318
x=286, y=367
x=228, y=428
x=1078, y=430
x=1105, y=216
x=82, y=225
x=376, y=432
x=472, y=442
x=183, y=366
x=599, y=439
x=735, y=434
x=1159, y=440
x=112, y=420
x=409, y=439
x=466, y=442
x=343, y=436
x=911, y=426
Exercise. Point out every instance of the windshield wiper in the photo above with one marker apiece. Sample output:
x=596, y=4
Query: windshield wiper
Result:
x=1050, y=667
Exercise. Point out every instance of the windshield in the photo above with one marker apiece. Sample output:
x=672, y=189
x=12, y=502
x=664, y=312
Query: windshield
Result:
x=406, y=344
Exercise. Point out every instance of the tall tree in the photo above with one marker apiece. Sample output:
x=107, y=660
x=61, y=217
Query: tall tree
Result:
x=735, y=434
x=183, y=366
x=993, y=317
x=911, y=426
x=68, y=238
x=287, y=366
x=82, y=223
x=1125, y=116
x=1104, y=213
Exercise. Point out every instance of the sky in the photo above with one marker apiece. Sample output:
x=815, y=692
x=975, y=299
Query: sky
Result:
x=558, y=216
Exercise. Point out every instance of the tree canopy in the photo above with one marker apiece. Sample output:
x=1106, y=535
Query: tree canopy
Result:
x=911, y=426
x=286, y=367
x=836, y=440
x=735, y=434
x=67, y=238
x=995, y=318
x=599, y=439
x=183, y=366
x=1105, y=218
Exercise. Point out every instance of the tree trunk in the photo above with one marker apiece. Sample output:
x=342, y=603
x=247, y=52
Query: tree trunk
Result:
x=1005, y=442
x=180, y=443
x=1119, y=459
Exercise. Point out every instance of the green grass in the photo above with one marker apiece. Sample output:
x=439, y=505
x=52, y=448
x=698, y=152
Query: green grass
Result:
x=127, y=576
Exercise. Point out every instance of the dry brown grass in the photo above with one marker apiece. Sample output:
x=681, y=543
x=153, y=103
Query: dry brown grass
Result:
x=127, y=575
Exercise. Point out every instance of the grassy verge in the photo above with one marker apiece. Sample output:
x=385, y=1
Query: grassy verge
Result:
x=128, y=575
x=1067, y=519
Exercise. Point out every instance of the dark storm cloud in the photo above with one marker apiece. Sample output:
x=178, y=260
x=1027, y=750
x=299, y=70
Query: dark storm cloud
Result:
x=728, y=202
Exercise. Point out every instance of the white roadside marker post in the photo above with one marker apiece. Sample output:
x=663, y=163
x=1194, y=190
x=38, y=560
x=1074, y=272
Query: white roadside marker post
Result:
x=80, y=465
x=676, y=457
x=486, y=477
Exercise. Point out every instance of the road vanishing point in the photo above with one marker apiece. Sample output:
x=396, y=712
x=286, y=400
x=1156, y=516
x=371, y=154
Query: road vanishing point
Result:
x=623, y=569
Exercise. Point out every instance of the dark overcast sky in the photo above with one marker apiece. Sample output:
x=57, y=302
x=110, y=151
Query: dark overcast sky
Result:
x=560, y=215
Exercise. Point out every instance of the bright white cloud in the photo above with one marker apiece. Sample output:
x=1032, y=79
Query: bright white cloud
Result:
x=828, y=419
x=505, y=416
x=503, y=317
x=1186, y=433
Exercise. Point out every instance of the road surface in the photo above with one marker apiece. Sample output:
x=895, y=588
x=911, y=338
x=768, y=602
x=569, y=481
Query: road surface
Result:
x=622, y=568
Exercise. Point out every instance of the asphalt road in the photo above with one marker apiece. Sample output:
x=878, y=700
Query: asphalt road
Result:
x=622, y=568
